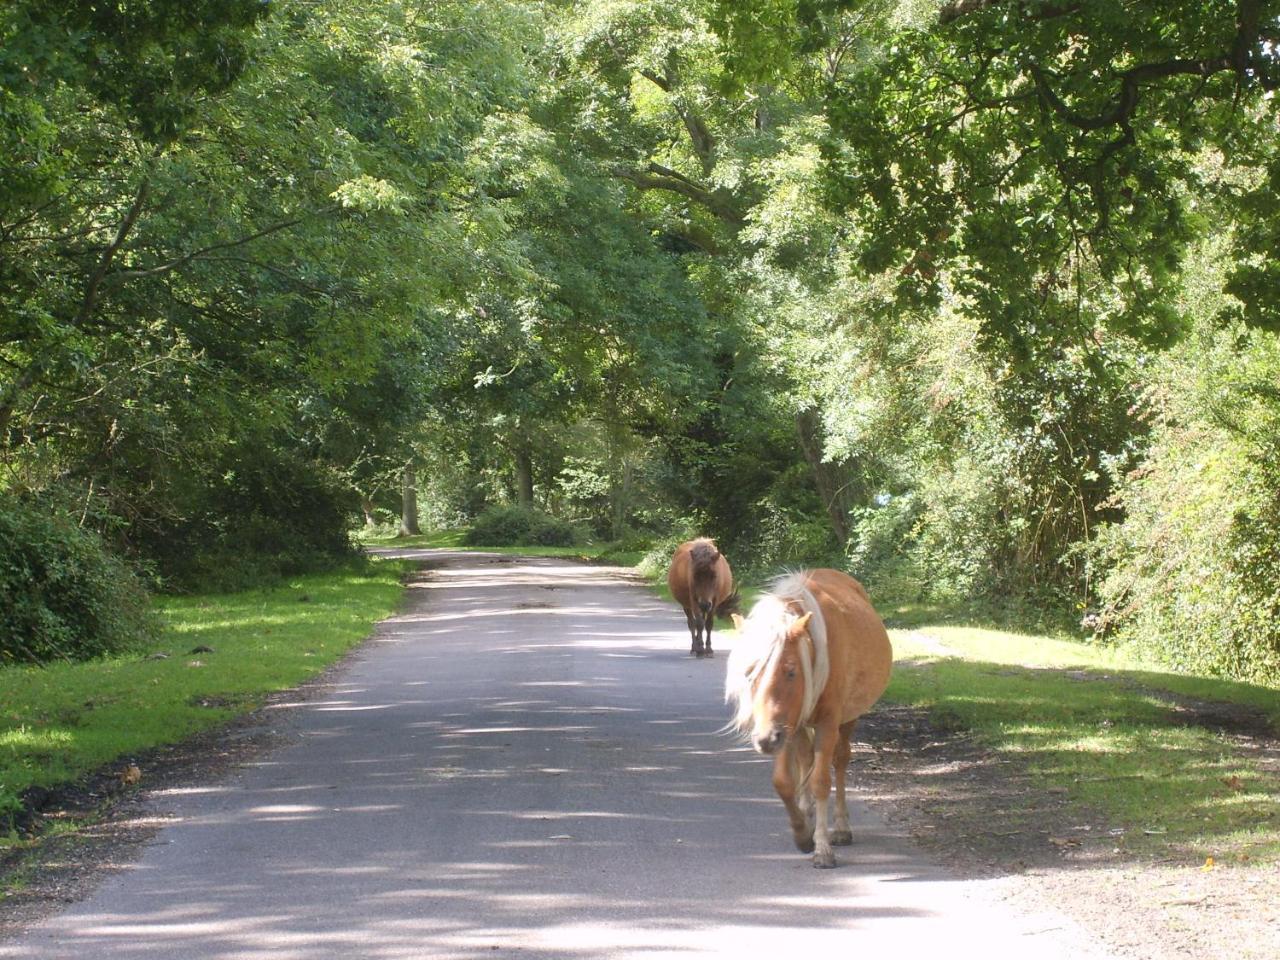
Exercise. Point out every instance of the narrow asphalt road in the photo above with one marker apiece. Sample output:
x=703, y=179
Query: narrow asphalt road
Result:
x=524, y=763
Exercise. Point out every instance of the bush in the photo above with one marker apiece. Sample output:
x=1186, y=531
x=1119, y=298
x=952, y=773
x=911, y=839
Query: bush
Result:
x=783, y=538
x=512, y=525
x=658, y=554
x=266, y=514
x=1194, y=578
x=62, y=594
x=1191, y=575
x=882, y=549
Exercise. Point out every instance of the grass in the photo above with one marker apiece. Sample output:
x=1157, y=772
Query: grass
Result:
x=64, y=720
x=1108, y=729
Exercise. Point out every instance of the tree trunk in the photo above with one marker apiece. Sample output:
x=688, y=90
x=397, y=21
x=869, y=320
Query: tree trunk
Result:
x=834, y=482
x=409, y=503
x=621, y=475
x=622, y=499
x=524, y=474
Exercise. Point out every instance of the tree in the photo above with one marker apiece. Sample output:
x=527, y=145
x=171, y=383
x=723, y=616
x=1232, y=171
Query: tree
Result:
x=1040, y=151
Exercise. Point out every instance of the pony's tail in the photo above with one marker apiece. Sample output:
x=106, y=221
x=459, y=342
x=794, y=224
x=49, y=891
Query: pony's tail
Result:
x=729, y=605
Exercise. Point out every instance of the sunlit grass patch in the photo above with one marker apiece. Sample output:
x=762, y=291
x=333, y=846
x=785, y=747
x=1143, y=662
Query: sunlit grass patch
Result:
x=1118, y=735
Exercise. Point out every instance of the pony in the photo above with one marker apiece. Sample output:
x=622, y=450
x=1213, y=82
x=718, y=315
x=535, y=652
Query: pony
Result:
x=702, y=583
x=812, y=657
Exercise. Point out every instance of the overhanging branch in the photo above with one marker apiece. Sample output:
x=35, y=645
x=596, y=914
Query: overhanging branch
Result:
x=186, y=258
x=657, y=177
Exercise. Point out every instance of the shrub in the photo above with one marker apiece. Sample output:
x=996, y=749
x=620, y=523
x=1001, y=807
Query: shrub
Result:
x=513, y=525
x=1194, y=577
x=882, y=549
x=657, y=558
x=782, y=538
x=63, y=595
x=264, y=515
x=1191, y=575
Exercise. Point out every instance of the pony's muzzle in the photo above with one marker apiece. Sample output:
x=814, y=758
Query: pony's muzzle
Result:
x=772, y=741
x=705, y=607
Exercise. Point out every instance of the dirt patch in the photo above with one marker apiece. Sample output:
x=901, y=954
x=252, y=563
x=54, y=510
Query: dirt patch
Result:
x=968, y=805
x=987, y=816
x=1234, y=719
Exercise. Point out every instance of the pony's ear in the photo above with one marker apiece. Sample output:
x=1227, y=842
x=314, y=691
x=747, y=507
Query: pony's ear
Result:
x=737, y=621
x=800, y=626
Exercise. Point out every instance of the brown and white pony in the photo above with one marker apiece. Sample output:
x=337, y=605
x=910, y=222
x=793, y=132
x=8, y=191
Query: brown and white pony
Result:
x=702, y=583
x=811, y=659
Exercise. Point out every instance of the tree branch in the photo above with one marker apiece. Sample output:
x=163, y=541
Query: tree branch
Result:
x=186, y=258
x=1130, y=83
x=699, y=136
x=94, y=285
x=657, y=79
x=657, y=177
x=1245, y=59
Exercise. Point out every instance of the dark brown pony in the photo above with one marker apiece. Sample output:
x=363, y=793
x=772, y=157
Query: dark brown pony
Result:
x=702, y=583
x=811, y=659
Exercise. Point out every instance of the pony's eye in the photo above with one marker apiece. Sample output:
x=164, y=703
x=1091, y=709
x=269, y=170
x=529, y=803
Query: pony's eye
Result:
x=791, y=674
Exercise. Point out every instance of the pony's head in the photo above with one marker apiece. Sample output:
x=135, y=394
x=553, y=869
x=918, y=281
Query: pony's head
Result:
x=704, y=576
x=778, y=667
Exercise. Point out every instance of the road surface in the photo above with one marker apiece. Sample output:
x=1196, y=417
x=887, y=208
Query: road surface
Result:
x=524, y=763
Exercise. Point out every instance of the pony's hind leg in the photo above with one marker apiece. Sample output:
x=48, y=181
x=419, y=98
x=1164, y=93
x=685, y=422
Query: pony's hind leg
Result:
x=842, y=835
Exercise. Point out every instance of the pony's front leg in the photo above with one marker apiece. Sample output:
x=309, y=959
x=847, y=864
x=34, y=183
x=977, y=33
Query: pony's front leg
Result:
x=695, y=638
x=842, y=835
x=787, y=779
x=820, y=785
x=708, y=621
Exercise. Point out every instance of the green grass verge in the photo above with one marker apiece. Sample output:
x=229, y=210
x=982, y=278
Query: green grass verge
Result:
x=64, y=720
x=1103, y=726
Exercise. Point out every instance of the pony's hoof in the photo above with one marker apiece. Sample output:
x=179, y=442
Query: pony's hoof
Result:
x=804, y=844
x=825, y=860
x=710, y=652
x=842, y=838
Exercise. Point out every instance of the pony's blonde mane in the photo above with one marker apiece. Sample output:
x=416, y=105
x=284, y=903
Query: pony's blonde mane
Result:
x=761, y=643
